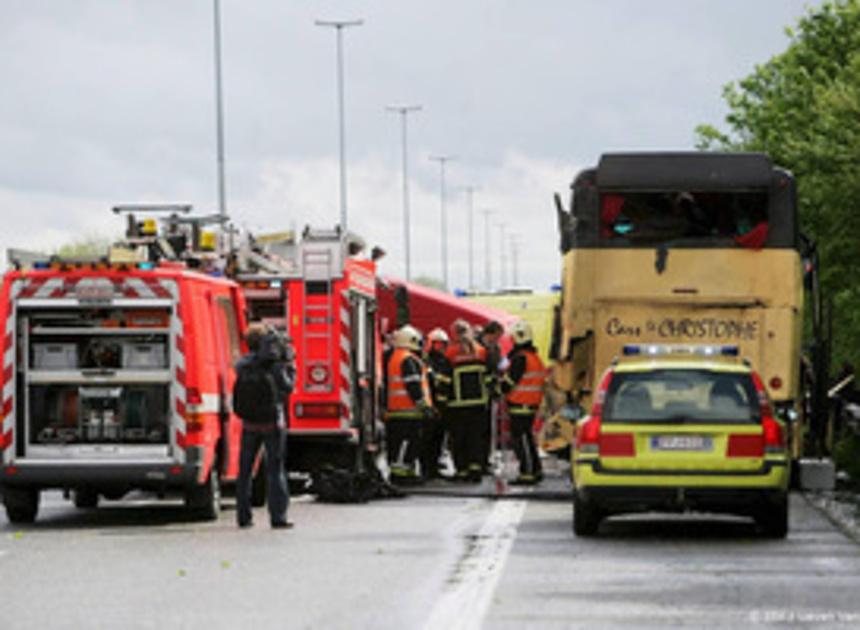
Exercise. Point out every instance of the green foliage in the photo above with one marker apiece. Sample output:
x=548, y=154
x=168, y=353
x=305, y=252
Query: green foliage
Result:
x=803, y=108
x=92, y=245
x=846, y=454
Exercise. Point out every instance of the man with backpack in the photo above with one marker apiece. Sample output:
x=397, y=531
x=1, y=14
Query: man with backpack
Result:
x=264, y=377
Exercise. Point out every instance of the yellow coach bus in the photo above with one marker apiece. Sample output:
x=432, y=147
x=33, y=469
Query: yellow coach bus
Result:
x=685, y=248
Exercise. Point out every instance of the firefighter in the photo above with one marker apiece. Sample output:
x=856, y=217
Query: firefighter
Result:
x=409, y=404
x=440, y=388
x=489, y=337
x=468, y=403
x=522, y=385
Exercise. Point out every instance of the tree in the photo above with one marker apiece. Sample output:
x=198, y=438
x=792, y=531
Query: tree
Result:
x=92, y=245
x=802, y=107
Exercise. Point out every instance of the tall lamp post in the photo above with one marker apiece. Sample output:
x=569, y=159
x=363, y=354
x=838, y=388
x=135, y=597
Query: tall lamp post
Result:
x=339, y=25
x=470, y=192
x=404, y=111
x=219, y=116
x=502, y=279
x=515, y=259
x=443, y=159
x=488, y=278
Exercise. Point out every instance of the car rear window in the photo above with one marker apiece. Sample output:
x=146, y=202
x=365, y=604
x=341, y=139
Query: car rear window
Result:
x=681, y=396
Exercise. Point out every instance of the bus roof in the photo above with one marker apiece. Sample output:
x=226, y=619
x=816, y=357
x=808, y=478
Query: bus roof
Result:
x=684, y=170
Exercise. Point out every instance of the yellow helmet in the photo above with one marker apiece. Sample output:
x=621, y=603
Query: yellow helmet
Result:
x=521, y=332
x=407, y=337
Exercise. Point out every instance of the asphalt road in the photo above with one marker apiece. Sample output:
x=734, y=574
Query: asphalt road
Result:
x=420, y=562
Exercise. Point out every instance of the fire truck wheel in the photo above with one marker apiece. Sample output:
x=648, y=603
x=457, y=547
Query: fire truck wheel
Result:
x=86, y=498
x=22, y=504
x=204, y=501
x=258, y=485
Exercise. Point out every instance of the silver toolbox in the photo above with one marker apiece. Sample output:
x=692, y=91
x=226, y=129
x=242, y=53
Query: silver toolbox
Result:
x=55, y=356
x=144, y=356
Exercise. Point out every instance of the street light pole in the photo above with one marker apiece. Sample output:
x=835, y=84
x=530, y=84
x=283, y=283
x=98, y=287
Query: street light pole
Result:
x=515, y=259
x=339, y=25
x=488, y=278
x=502, y=277
x=443, y=159
x=219, y=117
x=404, y=110
x=470, y=191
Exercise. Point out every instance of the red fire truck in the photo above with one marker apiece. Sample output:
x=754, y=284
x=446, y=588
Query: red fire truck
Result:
x=323, y=293
x=116, y=373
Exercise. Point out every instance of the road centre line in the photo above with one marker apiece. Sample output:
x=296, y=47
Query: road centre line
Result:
x=466, y=599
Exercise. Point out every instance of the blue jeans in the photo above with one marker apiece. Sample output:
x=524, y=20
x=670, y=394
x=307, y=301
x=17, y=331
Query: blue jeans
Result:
x=275, y=443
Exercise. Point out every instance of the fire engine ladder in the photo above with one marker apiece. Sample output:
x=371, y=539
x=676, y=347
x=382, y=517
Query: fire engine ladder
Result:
x=317, y=268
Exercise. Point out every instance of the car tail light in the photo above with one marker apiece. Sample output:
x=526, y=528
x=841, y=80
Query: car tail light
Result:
x=763, y=401
x=745, y=446
x=588, y=433
x=318, y=410
x=617, y=445
x=774, y=436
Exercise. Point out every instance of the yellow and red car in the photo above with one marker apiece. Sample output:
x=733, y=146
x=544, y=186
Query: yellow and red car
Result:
x=681, y=429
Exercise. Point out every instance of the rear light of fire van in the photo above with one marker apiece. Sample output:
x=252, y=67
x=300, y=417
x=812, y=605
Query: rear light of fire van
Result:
x=193, y=420
x=318, y=410
x=591, y=439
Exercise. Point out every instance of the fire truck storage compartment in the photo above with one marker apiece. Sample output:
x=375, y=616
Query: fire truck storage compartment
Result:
x=87, y=414
x=96, y=375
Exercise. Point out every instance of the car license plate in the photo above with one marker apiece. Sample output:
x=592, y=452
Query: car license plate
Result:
x=681, y=443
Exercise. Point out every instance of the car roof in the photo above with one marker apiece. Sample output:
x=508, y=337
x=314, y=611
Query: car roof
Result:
x=711, y=364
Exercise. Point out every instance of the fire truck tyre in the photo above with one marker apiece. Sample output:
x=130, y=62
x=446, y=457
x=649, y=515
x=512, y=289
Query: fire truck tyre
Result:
x=259, y=485
x=773, y=520
x=22, y=504
x=204, y=501
x=86, y=498
x=586, y=517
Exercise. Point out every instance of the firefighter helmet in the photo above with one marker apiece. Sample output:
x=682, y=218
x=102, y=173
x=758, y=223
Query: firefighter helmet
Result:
x=521, y=331
x=407, y=337
x=437, y=334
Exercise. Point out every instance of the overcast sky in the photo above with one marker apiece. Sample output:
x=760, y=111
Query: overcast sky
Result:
x=110, y=101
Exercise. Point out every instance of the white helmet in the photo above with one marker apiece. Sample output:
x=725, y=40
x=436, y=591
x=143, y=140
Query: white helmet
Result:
x=521, y=331
x=407, y=337
x=437, y=334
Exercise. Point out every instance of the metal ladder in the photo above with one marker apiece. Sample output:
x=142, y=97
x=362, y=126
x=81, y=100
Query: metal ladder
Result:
x=317, y=267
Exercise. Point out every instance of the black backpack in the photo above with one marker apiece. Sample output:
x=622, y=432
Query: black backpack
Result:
x=255, y=395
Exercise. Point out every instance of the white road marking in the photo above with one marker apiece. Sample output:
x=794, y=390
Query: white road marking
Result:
x=464, y=603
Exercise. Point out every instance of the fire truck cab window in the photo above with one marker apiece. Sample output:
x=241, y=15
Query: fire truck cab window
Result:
x=651, y=218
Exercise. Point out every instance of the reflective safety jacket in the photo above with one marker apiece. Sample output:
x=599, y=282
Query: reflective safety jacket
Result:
x=523, y=382
x=468, y=376
x=440, y=377
x=408, y=385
